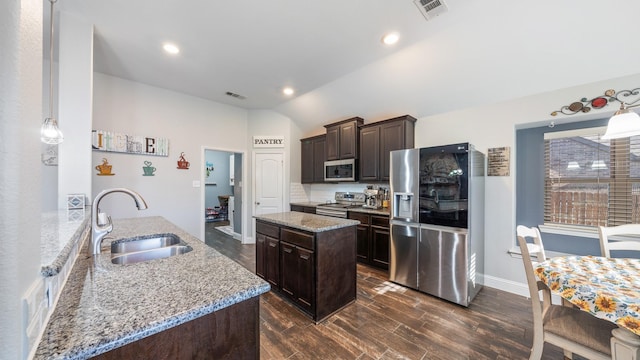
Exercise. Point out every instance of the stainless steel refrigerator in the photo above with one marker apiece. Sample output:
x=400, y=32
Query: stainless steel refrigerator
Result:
x=437, y=220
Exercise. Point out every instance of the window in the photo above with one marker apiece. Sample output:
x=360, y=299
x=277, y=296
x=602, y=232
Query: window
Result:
x=590, y=181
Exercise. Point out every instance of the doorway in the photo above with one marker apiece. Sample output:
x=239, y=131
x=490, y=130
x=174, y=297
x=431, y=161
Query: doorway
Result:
x=222, y=193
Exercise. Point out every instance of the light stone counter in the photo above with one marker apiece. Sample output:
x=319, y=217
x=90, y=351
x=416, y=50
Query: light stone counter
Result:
x=61, y=231
x=308, y=222
x=104, y=306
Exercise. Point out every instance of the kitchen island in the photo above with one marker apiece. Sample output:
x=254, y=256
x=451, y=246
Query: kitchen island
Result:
x=198, y=304
x=308, y=259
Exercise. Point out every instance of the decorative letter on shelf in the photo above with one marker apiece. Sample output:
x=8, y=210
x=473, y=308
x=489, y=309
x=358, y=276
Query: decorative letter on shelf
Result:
x=131, y=144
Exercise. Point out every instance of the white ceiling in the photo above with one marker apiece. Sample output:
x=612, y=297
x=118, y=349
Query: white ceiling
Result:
x=249, y=47
x=479, y=52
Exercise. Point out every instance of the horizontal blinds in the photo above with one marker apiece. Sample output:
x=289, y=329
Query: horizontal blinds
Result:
x=590, y=181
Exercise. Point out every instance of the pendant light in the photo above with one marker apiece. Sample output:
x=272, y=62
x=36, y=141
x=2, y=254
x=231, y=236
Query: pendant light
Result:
x=624, y=123
x=49, y=132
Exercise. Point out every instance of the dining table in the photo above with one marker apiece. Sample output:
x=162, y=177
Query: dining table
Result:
x=607, y=288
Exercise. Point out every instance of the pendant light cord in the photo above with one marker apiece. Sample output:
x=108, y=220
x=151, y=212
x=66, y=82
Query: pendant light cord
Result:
x=51, y=61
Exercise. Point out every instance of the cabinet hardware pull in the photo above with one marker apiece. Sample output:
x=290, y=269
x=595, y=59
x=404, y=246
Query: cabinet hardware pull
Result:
x=288, y=251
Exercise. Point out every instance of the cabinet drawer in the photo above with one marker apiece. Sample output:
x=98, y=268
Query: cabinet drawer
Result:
x=297, y=238
x=362, y=217
x=382, y=221
x=268, y=229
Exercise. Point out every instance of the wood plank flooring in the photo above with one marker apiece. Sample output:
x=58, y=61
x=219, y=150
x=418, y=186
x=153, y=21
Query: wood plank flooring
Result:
x=389, y=321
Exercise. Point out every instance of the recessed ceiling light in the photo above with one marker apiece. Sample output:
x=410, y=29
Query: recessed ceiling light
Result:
x=288, y=91
x=390, y=39
x=170, y=48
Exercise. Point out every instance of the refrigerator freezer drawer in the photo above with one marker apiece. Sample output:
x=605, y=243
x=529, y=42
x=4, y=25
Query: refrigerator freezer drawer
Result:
x=443, y=264
x=403, y=257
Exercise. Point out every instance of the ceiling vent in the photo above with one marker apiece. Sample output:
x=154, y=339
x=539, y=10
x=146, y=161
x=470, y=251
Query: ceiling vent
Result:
x=431, y=8
x=237, y=96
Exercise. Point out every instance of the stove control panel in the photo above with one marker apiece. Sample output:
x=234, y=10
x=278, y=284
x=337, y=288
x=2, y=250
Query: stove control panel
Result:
x=350, y=197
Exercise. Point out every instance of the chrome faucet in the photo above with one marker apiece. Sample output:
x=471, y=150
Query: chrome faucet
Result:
x=101, y=223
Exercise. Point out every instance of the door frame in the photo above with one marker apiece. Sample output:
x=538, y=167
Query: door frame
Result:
x=243, y=207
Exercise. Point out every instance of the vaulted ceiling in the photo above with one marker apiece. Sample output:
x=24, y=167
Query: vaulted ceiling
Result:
x=330, y=51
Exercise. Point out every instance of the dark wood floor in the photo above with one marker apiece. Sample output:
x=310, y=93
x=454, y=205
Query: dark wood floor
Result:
x=392, y=322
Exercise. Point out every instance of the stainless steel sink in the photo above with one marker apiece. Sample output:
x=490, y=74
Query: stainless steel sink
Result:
x=144, y=243
x=152, y=254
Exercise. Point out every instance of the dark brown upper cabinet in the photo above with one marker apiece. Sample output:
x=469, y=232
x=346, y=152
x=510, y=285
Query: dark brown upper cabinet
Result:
x=313, y=157
x=378, y=139
x=342, y=139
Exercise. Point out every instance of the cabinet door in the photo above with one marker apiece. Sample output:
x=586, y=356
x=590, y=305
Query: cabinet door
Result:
x=305, y=294
x=348, y=140
x=309, y=209
x=319, y=156
x=297, y=208
x=392, y=137
x=272, y=265
x=333, y=143
x=306, y=166
x=380, y=247
x=369, y=153
x=261, y=248
x=362, y=243
x=289, y=266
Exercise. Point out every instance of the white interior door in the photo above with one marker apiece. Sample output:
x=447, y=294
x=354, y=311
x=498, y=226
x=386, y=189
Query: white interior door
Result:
x=269, y=183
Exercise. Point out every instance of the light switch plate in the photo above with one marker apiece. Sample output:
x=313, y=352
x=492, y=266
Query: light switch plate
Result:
x=196, y=183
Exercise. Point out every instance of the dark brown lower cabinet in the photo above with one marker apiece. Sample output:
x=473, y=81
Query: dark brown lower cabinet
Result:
x=229, y=333
x=317, y=269
x=380, y=246
x=297, y=275
x=372, y=238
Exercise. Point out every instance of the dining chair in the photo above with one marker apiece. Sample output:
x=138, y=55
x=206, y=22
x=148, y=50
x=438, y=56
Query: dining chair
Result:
x=573, y=330
x=606, y=245
x=536, y=248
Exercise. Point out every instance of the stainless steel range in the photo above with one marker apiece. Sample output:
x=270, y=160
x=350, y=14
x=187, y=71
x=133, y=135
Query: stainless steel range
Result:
x=344, y=201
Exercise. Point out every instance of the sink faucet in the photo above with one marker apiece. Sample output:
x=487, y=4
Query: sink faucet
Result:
x=101, y=223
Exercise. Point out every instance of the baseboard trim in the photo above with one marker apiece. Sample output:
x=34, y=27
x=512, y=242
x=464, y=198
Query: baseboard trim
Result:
x=506, y=285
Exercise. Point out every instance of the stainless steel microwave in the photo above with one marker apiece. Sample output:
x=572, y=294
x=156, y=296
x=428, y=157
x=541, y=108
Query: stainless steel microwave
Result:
x=341, y=170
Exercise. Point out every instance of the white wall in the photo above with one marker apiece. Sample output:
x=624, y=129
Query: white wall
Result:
x=188, y=122
x=20, y=119
x=75, y=89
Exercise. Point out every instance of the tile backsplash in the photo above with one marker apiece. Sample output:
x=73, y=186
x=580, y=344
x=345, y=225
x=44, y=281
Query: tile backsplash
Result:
x=326, y=192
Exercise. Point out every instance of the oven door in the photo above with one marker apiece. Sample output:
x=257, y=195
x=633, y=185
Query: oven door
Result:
x=340, y=170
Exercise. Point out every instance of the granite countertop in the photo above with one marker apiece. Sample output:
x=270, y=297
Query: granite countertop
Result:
x=104, y=306
x=308, y=222
x=61, y=230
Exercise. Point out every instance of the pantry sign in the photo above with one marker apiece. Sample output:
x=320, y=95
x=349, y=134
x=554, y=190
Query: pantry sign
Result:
x=268, y=141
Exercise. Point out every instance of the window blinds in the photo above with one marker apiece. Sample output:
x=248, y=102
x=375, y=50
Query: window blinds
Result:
x=590, y=181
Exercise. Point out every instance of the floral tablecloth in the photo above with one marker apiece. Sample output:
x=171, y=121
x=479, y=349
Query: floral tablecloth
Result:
x=607, y=288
